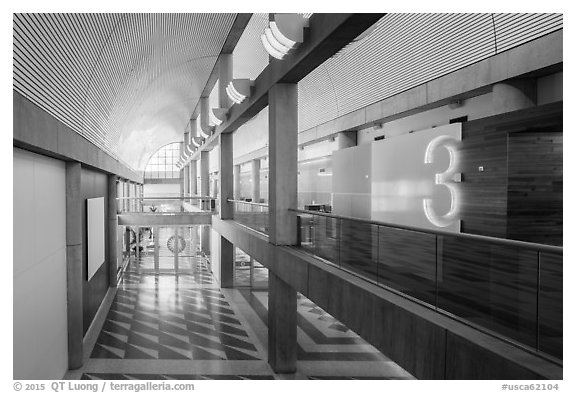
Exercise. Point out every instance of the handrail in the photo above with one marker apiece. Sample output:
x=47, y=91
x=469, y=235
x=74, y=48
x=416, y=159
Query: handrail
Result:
x=469, y=236
x=248, y=203
x=167, y=197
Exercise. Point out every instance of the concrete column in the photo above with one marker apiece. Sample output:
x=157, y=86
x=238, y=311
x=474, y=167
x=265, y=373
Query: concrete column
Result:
x=346, y=139
x=205, y=239
x=215, y=182
x=193, y=164
x=226, y=263
x=137, y=249
x=204, y=174
x=74, y=271
x=127, y=241
x=225, y=68
x=237, y=193
x=205, y=191
x=283, y=171
x=514, y=95
x=192, y=175
x=176, y=248
x=112, y=230
x=225, y=176
x=205, y=178
x=282, y=317
x=256, y=180
x=282, y=191
x=205, y=115
x=182, y=176
x=128, y=195
x=156, y=232
x=186, y=167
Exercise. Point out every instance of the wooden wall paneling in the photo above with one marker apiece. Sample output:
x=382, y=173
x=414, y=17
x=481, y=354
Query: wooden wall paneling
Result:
x=484, y=195
x=535, y=191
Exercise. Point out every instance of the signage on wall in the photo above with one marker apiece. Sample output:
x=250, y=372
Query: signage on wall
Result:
x=449, y=179
x=415, y=179
x=96, y=240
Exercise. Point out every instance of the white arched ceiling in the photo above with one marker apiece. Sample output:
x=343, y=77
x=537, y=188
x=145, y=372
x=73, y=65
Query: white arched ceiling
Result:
x=126, y=82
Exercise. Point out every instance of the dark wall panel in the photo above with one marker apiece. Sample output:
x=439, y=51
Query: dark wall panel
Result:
x=94, y=185
x=550, y=305
x=466, y=360
x=535, y=187
x=485, y=207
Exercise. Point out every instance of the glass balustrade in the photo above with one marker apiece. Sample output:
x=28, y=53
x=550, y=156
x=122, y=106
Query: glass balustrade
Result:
x=253, y=215
x=512, y=289
x=167, y=204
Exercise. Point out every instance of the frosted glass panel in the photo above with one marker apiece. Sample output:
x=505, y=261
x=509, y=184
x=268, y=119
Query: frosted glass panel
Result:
x=415, y=179
x=96, y=250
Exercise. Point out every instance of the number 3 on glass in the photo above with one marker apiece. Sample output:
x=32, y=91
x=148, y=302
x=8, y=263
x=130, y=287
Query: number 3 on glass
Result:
x=448, y=178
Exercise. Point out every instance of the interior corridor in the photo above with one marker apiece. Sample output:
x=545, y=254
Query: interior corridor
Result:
x=171, y=320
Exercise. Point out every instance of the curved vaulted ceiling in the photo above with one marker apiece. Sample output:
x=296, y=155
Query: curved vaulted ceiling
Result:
x=126, y=82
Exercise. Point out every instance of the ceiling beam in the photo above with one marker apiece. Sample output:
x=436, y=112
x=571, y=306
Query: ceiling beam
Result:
x=232, y=39
x=327, y=34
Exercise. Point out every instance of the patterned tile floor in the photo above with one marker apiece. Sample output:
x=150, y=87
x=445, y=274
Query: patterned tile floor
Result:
x=168, y=325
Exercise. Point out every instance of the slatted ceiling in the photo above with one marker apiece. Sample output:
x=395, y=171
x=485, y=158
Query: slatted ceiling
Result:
x=249, y=56
x=420, y=54
x=406, y=50
x=316, y=98
x=104, y=75
x=515, y=29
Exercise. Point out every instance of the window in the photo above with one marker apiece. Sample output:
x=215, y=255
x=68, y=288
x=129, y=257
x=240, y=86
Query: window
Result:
x=162, y=164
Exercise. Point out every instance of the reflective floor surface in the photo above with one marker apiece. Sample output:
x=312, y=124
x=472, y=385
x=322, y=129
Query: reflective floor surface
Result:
x=164, y=324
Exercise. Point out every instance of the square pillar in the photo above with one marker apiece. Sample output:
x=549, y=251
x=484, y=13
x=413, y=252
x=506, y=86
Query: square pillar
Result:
x=186, y=167
x=283, y=153
x=225, y=69
x=282, y=318
x=237, y=193
x=205, y=178
x=282, y=188
x=192, y=177
x=256, y=180
x=225, y=176
x=205, y=239
x=181, y=172
x=74, y=271
x=112, y=230
x=204, y=173
x=226, y=263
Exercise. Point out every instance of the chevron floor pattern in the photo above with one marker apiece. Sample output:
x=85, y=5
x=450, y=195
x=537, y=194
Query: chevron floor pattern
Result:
x=179, y=325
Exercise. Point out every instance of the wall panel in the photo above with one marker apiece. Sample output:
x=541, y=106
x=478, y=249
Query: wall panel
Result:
x=39, y=266
x=94, y=185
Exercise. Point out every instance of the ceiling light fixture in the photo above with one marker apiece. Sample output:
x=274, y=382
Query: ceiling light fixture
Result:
x=239, y=89
x=270, y=49
x=283, y=33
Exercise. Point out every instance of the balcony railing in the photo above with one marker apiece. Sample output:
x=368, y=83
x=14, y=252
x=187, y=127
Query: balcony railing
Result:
x=166, y=204
x=511, y=289
x=253, y=215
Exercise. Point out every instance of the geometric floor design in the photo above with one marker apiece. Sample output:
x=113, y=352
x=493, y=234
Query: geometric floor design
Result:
x=320, y=336
x=168, y=324
x=198, y=324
